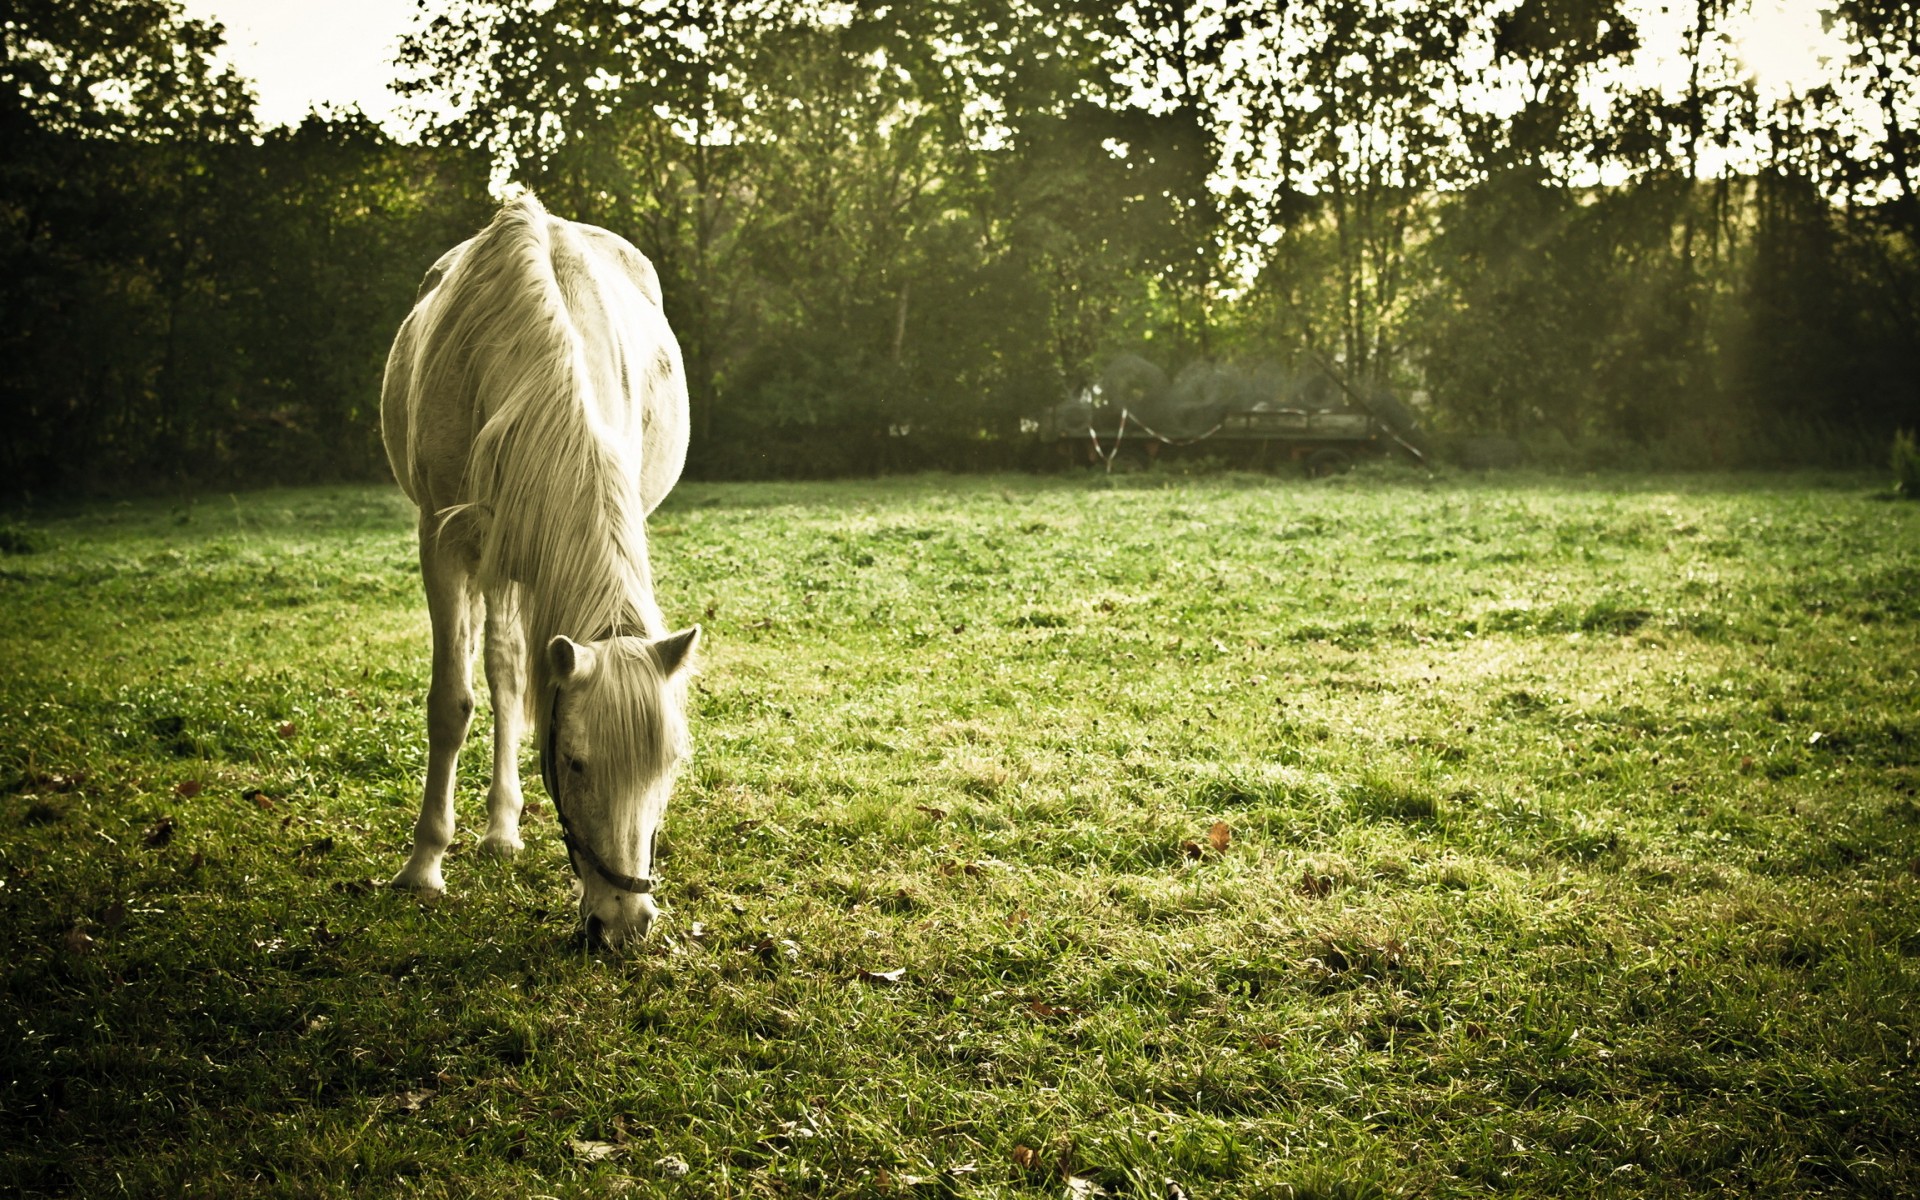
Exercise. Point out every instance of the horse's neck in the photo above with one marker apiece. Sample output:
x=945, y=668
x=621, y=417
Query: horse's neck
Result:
x=595, y=590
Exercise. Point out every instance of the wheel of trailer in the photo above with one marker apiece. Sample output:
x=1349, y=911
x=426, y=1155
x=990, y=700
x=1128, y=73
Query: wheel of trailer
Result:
x=1133, y=454
x=1322, y=463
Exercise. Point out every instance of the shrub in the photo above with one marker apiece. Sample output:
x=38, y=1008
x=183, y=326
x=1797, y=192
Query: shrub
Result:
x=1906, y=464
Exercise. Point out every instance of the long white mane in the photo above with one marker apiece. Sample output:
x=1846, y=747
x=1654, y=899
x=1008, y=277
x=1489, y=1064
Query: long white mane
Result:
x=531, y=324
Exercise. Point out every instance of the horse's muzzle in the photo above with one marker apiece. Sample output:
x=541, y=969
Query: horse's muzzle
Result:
x=617, y=922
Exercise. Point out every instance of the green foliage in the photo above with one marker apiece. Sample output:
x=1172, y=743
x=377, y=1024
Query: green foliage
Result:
x=1566, y=834
x=888, y=233
x=1906, y=465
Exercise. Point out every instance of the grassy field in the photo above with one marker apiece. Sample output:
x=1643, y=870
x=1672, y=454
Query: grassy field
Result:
x=1153, y=837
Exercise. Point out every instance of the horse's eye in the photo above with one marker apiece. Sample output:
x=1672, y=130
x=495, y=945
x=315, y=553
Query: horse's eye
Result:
x=577, y=765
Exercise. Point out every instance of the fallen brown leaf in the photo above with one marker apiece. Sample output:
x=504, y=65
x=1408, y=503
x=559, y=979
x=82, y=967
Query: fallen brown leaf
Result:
x=288, y=729
x=1192, y=850
x=1220, y=836
x=1026, y=1157
x=115, y=916
x=411, y=1101
x=161, y=833
x=187, y=789
x=38, y=781
x=259, y=798
x=770, y=951
x=78, y=941
x=933, y=814
x=591, y=1151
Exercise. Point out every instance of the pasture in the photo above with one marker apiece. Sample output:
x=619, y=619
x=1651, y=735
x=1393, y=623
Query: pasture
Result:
x=1147, y=836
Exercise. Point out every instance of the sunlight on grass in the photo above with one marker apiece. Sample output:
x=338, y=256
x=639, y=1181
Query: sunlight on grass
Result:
x=1362, y=837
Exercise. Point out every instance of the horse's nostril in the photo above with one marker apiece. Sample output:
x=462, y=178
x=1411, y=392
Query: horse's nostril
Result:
x=596, y=931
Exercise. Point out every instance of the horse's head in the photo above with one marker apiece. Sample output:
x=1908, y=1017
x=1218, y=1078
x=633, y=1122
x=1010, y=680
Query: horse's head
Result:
x=616, y=732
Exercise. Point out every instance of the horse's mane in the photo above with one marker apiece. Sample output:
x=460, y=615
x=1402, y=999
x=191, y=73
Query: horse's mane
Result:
x=552, y=481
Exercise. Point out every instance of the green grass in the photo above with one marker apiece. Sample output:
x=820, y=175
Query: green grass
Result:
x=1572, y=848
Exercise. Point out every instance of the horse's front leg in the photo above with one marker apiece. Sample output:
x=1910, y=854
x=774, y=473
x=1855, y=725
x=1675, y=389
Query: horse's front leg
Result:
x=451, y=604
x=507, y=683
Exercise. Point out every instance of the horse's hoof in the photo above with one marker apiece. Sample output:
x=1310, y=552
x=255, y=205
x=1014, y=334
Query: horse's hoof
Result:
x=501, y=845
x=420, y=883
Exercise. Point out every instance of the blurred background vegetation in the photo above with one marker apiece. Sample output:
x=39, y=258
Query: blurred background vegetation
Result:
x=946, y=216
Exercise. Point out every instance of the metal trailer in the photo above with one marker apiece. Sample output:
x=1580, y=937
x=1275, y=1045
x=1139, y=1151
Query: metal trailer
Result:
x=1325, y=442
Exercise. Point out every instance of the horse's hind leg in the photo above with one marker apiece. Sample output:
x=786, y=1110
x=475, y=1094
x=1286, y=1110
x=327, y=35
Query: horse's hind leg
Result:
x=507, y=683
x=451, y=603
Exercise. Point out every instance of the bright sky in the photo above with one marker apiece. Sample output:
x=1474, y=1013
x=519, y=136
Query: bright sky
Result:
x=302, y=53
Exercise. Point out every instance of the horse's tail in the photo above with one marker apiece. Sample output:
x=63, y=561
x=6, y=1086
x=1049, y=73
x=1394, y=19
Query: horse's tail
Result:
x=542, y=478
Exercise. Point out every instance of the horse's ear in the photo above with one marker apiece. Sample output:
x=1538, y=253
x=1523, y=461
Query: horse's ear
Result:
x=676, y=649
x=570, y=659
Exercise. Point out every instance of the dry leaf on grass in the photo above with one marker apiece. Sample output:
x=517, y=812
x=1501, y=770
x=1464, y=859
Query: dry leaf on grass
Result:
x=36, y=781
x=413, y=1100
x=770, y=951
x=933, y=814
x=187, y=789
x=589, y=1151
x=161, y=833
x=1220, y=837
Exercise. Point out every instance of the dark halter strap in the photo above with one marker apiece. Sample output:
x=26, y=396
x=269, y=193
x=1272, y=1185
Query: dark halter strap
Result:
x=578, y=848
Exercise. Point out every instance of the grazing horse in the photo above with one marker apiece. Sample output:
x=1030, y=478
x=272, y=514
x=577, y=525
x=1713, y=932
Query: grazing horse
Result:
x=535, y=411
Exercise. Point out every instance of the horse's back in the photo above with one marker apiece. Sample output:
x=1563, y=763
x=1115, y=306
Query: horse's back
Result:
x=613, y=294
x=611, y=299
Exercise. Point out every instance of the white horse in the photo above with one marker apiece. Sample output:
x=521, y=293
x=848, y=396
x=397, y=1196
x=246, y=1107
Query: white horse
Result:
x=536, y=411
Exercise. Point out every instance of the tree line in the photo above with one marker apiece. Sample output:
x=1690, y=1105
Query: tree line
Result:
x=887, y=233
